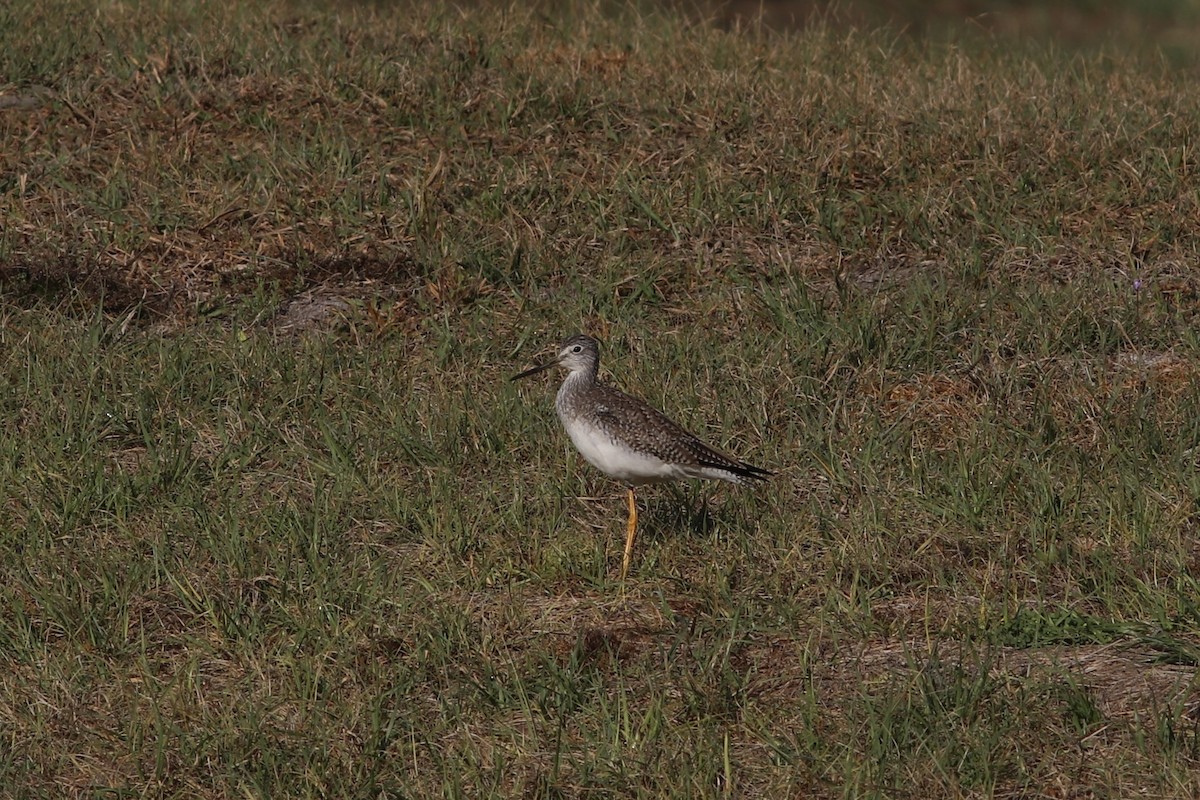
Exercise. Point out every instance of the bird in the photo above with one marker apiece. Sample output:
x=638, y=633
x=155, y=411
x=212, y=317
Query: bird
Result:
x=626, y=438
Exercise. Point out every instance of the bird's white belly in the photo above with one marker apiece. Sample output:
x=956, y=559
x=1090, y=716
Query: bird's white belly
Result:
x=618, y=461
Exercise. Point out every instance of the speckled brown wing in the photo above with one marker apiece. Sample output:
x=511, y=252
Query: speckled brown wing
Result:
x=648, y=430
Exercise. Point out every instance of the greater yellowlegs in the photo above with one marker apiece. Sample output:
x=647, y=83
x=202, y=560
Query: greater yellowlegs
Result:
x=627, y=439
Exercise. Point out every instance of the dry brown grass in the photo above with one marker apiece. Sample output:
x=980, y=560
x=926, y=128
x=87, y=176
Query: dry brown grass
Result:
x=942, y=287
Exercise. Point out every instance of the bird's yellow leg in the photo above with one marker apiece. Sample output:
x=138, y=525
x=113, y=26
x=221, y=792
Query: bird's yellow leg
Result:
x=630, y=533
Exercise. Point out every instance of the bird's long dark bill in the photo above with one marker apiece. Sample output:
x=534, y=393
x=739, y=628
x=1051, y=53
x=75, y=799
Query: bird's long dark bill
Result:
x=534, y=370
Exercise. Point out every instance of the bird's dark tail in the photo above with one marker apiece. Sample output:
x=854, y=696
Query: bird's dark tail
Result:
x=741, y=469
x=752, y=472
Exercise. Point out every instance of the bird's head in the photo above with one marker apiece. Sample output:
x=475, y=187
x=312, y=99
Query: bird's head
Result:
x=578, y=353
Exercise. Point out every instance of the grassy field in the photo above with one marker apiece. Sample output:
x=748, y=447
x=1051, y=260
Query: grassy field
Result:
x=275, y=524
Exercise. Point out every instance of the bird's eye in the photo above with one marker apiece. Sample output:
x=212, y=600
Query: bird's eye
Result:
x=577, y=349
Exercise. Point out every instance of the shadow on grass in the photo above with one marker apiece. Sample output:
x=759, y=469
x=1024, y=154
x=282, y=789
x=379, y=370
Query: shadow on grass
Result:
x=674, y=511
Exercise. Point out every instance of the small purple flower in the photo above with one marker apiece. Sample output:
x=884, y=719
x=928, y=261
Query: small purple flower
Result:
x=1137, y=284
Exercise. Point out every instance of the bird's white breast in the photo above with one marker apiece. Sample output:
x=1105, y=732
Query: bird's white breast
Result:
x=615, y=459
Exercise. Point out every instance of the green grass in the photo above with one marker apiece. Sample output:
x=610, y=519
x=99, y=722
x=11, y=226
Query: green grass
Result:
x=275, y=523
